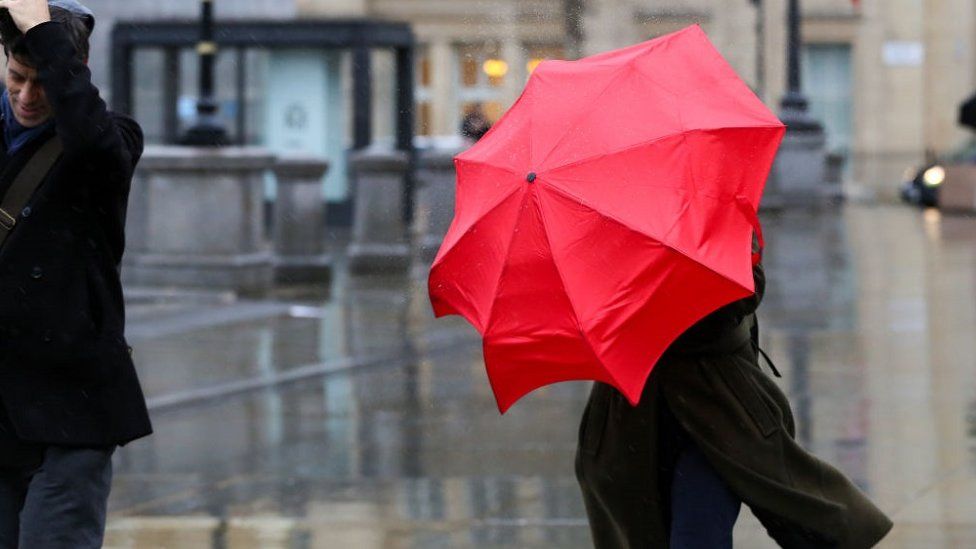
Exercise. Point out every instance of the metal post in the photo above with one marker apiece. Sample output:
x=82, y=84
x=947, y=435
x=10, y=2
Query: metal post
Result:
x=405, y=125
x=798, y=176
x=362, y=97
x=794, y=39
x=242, y=96
x=760, y=48
x=573, y=18
x=794, y=104
x=207, y=131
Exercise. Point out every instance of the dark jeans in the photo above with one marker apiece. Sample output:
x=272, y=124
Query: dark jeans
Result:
x=703, y=509
x=56, y=500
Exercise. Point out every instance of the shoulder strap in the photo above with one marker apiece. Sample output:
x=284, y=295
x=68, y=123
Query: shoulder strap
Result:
x=26, y=183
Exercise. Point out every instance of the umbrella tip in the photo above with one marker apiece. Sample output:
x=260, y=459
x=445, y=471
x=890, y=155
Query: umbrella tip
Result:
x=531, y=177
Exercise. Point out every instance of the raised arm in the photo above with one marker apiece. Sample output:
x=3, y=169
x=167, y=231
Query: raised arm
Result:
x=81, y=116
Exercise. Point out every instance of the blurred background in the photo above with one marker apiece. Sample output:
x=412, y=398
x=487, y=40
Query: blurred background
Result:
x=302, y=393
x=885, y=78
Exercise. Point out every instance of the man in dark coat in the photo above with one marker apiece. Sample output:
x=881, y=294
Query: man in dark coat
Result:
x=69, y=394
x=709, y=410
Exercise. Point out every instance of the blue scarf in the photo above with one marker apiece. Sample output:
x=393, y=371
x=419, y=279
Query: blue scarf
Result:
x=14, y=134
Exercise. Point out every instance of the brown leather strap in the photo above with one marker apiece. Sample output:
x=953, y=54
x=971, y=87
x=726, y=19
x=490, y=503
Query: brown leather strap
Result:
x=26, y=183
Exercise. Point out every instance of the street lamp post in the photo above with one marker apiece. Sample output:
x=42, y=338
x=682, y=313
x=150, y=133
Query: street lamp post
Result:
x=207, y=130
x=573, y=18
x=798, y=177
x=794, y=105
x=760, y=86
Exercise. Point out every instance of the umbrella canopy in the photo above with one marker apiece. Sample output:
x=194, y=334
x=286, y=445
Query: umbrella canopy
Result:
x=967, y=113
x=611, y=208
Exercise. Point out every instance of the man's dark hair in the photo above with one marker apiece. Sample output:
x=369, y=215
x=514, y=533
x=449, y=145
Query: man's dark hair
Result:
x=13, y=39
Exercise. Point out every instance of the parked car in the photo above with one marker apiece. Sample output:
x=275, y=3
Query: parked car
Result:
x=926, y=185
x=920, y=186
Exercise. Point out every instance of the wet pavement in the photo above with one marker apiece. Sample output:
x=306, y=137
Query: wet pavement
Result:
x=354, y=419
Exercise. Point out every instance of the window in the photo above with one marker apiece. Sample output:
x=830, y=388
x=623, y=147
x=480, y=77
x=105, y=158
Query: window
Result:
x=422, y=92
x=828, y=84
x=481, y=78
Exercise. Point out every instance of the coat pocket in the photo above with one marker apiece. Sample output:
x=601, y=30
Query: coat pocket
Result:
x=594, y=420
x=750, y=396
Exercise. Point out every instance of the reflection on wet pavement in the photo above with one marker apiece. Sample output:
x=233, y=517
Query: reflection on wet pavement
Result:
x=359, y=421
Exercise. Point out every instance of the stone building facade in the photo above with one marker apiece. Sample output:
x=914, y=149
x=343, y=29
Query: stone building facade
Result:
x=886, y=76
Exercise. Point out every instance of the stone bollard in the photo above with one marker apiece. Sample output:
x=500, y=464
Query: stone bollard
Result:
x=798, y=177
x=196, y=219
x=380, y=243
x=298, y=233
x=435, y=199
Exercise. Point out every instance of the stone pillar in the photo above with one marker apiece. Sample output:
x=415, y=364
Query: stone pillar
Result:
x=435, y=199
x=514, y=54
x=443, y=102
x=379, y=236
x=298, y=233
x=196, y=219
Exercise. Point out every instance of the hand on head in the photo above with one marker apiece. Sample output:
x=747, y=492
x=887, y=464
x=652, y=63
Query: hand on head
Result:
x=27, y=14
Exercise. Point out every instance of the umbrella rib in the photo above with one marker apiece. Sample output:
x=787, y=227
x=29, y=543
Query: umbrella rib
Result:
x=586, y=113
x=626, y=225
x=468, y=230
x=531, y=111
x=488, y=165
x=676, y=105
x=500, y=123
x=572, y=305
x=508, y=253
x=718, y=81
x=630, y=64
x=598, y=156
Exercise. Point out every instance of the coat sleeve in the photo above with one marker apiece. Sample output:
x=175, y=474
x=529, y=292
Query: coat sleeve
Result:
x=82, y=120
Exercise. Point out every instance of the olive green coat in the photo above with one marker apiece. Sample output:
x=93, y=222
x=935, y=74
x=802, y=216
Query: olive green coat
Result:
x=711, y=382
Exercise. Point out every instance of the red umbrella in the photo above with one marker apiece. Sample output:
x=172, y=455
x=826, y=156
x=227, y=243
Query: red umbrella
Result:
x=611, y=208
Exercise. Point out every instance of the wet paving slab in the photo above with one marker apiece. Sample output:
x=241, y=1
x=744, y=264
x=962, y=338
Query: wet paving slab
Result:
x=357, y=420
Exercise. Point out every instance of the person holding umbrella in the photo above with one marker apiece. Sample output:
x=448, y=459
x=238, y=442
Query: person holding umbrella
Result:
x=711, y=431
x=606, y=229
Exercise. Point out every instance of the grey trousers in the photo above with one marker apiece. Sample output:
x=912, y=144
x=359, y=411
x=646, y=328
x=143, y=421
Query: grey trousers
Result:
x=57, y=500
